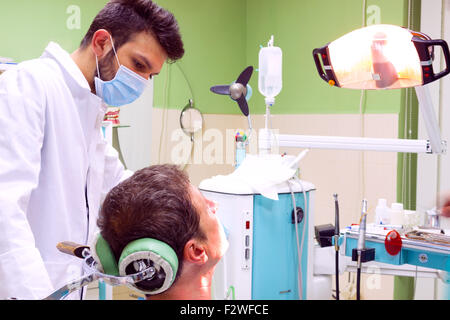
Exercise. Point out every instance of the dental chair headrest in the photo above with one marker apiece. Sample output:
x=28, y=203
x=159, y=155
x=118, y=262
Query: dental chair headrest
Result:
x=152, y=252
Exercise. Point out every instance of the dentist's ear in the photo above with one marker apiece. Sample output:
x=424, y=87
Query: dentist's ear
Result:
x=101, y=43
x=195, y=252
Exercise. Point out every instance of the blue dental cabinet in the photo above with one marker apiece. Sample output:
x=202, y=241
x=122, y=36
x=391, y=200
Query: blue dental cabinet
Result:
x=275, y=258
x=262, y=260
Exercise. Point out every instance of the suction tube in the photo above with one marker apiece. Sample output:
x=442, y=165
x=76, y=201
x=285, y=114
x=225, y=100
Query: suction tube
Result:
x=305, y=222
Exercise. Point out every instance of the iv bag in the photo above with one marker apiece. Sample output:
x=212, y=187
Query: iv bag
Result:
x=270, y=72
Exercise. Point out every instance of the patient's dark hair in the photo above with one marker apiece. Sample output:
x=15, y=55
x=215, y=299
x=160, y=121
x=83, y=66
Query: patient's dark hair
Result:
x=153, y=203
x=123, y=19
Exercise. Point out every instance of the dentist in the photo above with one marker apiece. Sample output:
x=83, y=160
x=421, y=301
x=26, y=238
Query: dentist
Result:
x=55, y=166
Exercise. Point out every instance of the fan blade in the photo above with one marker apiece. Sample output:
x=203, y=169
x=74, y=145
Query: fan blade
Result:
x=224, y=90
x=242, y=102
x=245, y=76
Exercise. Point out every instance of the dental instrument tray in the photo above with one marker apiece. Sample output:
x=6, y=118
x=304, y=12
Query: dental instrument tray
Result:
x=417, y=248
x=429, y=237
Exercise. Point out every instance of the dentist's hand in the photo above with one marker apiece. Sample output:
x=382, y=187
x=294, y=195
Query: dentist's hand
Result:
x=445, y=209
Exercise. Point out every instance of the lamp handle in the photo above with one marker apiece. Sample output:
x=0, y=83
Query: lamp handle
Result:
x=325, y=70
x=316, y=53
x=422, y=47
x=444, y=46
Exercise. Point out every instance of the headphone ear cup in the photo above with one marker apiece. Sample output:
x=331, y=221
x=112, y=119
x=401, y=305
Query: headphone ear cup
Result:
x=103, y=255
x=159, y=254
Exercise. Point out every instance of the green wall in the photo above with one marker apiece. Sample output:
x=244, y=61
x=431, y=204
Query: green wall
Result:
x=214, y=34
x=222, y=38
x=27, y=26
x=298, y=28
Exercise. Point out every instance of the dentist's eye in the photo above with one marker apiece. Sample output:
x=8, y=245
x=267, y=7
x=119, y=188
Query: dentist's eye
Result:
x=139, y=66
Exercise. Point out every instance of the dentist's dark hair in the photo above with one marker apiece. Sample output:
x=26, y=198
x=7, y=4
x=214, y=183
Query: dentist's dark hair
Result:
x=123, y=19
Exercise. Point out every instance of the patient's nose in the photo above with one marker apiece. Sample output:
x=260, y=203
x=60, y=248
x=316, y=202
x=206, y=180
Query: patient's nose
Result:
x=212, y=205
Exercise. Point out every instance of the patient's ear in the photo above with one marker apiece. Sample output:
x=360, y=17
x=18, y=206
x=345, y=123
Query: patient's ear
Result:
x=195, y=252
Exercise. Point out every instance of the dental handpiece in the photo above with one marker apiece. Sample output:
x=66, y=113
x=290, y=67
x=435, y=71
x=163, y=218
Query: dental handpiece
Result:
x=362, y=226
x=360, y=249
x=336, y=210
x=362, y=231
x=336, y=221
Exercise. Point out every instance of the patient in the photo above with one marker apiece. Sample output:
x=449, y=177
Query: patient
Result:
x=159, y=202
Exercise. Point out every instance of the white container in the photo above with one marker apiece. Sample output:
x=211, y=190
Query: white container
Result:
x=397, y=215
x=270, y=72
x=381, y=212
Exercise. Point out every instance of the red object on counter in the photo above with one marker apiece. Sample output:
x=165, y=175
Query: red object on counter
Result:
x=393, y=243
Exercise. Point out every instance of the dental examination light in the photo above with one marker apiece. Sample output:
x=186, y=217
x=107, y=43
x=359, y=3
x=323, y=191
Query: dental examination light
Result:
x=380, y=57
x=377, y=57
x=385, y=57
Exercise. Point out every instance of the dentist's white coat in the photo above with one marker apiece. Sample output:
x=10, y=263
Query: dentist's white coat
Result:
x=52, y=154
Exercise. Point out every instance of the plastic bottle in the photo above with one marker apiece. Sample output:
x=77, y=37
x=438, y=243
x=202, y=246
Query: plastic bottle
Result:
x=397, y=215
x=411, y=219
x=381, y=212
x=270, y=72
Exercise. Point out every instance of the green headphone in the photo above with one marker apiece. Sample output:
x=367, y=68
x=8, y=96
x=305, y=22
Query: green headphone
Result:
x=160, y=255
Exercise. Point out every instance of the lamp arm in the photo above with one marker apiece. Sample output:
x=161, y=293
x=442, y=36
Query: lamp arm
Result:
x=434, y=145
x=429, y=116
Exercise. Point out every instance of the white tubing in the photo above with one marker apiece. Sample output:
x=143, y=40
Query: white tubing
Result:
x=299, y=250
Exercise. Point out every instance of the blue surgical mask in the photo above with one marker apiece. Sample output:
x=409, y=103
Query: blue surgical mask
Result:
x=125, y=88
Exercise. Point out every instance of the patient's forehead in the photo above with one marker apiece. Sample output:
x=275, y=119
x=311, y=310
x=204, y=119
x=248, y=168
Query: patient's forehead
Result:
x=196, y=196
x=200, y=202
